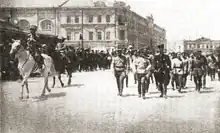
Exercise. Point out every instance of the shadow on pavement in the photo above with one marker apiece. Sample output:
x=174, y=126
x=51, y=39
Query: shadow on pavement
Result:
x=185, y=91
x=75, y=85
x=129, y=95
x=208, y=88
x=209, y=91
x=158, y=97
x=155, y=92
x=49, y=96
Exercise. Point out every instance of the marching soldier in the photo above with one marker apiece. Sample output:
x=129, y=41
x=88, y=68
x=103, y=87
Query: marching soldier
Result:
x=177, y=67
x=162, y=70
x=198, y=69
x=34, y=47
x=61, y=47
x=142, y=66
x=119, y=65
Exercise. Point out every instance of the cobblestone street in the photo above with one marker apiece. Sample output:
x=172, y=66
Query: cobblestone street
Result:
x=91, y=105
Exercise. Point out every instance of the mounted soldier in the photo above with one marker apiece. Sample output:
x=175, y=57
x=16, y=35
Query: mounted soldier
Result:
x=34, y=47
x=162, y=65
x=62, y=48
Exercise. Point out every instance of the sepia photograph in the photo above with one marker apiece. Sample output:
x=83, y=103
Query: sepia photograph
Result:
x=109, y=66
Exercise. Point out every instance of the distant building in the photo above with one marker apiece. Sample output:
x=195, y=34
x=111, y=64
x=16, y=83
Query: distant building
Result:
x=101, y=26
x=206, y=45
x=159, y=36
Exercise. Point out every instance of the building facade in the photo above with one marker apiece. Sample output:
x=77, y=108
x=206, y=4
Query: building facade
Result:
x=99, y=26
x=206, y=45
x=159, y=36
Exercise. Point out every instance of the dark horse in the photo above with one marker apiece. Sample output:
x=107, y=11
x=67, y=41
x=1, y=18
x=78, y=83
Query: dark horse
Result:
x=61, y=64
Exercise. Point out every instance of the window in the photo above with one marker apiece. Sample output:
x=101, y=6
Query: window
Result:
x=207, y=46
x=108, y=35
x=108, y=18
x=76, y=19
x=99, y=35
x=122, y=35
x=189, y=46
x=76, y=36
x=24, y=25
x=68, y=19
x=90, y=19
x=99, y=18
x=120, y=20
x=47, y=25
x=68, y=36
x=90, y=35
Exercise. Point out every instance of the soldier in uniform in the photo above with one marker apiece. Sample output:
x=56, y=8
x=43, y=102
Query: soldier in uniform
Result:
x=119, y=65
x=198, y=69
x=62, y=48
x=177, y=70
x=34, y=47
x=142, y=66
x=162, y=65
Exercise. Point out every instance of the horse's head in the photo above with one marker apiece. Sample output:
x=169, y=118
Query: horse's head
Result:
x=15, y=47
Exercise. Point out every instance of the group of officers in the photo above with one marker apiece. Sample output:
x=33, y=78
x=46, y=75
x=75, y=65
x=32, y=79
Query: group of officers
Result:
x=174, y=67
x=143, y=63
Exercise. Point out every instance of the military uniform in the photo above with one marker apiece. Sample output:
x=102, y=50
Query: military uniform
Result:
x=143, y=67
x=162, y=65
x=198, y=68
x=119, y=65
x=177, y=71
x=34, y=46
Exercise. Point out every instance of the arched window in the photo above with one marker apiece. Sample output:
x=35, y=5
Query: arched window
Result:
x=46, y=25
x=24, y=25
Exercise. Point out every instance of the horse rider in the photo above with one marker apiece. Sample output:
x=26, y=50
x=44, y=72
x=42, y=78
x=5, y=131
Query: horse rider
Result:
x=198, y=68
x=177, y=70
x=142, y=66
x=119, y=66
x=62, y=48
x=162, y=66
x=34, y=46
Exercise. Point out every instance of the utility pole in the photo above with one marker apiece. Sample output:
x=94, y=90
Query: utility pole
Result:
x=81, y=37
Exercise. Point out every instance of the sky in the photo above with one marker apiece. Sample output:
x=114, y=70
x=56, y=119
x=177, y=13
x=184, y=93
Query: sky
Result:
x=182, y=19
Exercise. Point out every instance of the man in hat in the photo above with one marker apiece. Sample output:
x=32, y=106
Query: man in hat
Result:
x=34, y=46
x=162, y=66
x=198, y=68
x=119, y=65
x=142, y=66
x=62, y=48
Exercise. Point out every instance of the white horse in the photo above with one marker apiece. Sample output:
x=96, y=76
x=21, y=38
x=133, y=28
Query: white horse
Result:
x=27, y=65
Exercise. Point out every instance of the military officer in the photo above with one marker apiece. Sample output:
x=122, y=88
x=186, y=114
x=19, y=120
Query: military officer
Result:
x=177, y=70
x=34, y=47
x=119, y=65
x=142, y=66
x=162, y=65
x=198, y=69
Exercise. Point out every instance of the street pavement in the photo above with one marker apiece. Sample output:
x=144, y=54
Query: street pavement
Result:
x=91, y=105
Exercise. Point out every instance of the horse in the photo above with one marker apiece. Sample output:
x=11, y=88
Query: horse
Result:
x=27, y=65
x=61, y=64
